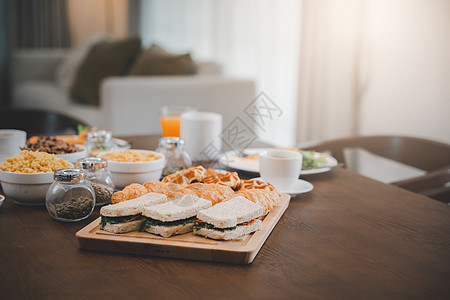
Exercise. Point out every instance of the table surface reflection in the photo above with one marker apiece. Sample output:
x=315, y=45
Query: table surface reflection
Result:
x=351, y=237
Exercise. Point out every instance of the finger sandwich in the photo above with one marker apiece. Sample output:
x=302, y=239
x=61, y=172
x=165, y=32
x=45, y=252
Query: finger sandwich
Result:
x=229, y=220
x=174, y=217
x=127, y=216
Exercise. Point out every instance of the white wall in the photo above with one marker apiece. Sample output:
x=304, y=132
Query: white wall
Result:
x=253, y=39
x=408, y=62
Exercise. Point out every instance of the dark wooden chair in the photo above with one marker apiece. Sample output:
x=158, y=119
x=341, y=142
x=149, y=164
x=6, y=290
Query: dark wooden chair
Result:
x=430, y=156
x=39, y=122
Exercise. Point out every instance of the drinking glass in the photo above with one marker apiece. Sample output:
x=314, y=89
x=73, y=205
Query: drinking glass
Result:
x=170, y=119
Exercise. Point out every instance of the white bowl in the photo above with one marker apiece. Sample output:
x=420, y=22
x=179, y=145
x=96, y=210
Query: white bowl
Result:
x=26, y=188
x=73, y=157
x=125, y=173
x=2, y=198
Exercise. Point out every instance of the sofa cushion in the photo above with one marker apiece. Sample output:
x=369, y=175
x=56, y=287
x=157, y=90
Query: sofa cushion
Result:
x=107, y=58
x=156, y=61
x=67, y=69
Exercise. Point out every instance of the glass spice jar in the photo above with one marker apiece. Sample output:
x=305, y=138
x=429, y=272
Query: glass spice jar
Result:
x=99, y=177
x=177, y=158
x=70, y=197
x=97, y=141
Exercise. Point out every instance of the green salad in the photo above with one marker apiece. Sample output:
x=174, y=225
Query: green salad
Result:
x=313, y=159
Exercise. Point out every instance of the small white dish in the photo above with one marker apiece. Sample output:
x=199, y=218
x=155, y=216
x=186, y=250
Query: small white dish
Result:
x=300, y=187
x=2, y=198
x=124, y=173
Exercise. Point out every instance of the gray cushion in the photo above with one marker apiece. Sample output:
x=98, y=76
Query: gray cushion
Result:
x=156, y=61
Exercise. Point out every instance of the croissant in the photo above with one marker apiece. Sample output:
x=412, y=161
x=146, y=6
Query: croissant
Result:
x=187, y=176
x=156, y=187
x=131, y=191
x=210, y=191
x=267, y=199
x=159, y=187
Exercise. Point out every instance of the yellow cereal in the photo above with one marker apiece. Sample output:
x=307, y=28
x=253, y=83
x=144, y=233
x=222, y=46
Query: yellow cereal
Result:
x=131, y=156
x=34, y=162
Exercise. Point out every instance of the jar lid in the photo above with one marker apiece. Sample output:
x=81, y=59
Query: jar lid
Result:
x=70, y=174
x=92, y=163
x=171, y=142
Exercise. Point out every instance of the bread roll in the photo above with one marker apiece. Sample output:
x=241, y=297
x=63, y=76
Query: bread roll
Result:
x=210, y=191
x=131, y=191
x=156, y=186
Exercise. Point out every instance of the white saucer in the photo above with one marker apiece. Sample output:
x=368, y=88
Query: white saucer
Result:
x=301, y=186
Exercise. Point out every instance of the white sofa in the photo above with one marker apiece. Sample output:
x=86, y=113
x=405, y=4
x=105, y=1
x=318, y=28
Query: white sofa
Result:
x=128, y=105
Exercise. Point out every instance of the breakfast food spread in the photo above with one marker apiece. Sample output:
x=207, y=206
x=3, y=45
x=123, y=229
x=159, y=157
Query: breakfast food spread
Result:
x=131, y=156
x=190, y=191
x=34, y=162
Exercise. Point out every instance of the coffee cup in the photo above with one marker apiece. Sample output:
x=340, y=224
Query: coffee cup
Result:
x=281, y=168
x=11, y=142
x=201, y=134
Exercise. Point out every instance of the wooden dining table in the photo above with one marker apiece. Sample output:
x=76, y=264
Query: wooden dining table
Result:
x=351, y=237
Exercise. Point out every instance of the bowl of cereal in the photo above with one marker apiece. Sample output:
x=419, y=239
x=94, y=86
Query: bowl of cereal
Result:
x=26, y=177
x=56, y=145
x=134, y=166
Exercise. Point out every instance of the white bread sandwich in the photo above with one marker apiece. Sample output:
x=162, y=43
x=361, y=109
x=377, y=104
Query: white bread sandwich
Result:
x=127, y=216
x=229, y=220
x=174, y=217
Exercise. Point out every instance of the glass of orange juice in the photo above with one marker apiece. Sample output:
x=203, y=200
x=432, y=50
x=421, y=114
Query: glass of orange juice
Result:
x=170, y=119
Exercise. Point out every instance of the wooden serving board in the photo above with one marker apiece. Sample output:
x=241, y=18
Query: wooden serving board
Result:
x=188, y=246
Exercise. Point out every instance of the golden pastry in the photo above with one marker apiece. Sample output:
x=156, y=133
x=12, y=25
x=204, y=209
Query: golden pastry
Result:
x=131, y=191
x=156, y=186
x=265, y=198
x=210, y=191
x=230, y=179
x=255, y=184
x=186, y=177
x=159, y=187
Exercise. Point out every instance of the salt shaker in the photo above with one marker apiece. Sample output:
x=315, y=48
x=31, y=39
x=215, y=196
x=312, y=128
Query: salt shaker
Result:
x=99, y=177
x=70, y=197
x=177, y=157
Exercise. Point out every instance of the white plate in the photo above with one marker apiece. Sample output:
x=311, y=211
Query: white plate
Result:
x=300, y=187
x=231, y=159
x=121, y=144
